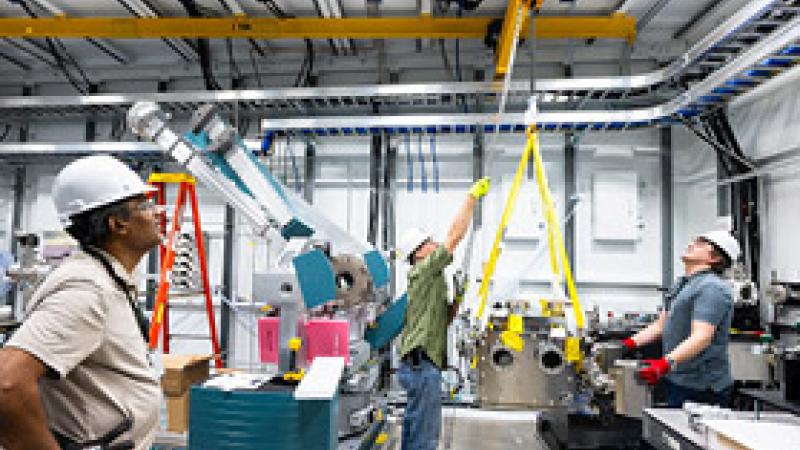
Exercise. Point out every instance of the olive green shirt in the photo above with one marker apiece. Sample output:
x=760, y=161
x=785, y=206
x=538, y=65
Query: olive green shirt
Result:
x=426, y=314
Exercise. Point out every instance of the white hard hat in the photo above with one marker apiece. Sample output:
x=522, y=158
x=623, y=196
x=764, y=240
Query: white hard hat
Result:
x=724, y=241
x=91, y=182
x=412, y=239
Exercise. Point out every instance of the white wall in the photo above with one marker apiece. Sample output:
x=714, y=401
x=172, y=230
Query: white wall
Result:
x=694, y=194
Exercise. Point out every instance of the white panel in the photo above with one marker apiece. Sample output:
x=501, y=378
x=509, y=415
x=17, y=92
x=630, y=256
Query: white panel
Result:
x=622, y=262
x=780, y=244
x=322, y=380
x=615, y=206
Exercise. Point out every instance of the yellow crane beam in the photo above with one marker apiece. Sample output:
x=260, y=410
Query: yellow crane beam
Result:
x=514, y=20
x=615, y=26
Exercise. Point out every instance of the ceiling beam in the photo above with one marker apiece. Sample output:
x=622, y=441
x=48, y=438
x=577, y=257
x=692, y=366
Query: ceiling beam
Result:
x=28, y=47
x=15, y=61
x=615, y=26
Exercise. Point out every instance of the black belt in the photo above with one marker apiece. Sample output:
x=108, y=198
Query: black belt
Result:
x=416, y=356
x=104, y=443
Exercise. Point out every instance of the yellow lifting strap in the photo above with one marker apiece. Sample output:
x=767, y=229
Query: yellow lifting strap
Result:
x=555, y=238
x=554, y=235
x=494, y=254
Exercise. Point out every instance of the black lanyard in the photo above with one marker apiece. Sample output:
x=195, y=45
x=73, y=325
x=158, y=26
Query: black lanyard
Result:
x=141, y=320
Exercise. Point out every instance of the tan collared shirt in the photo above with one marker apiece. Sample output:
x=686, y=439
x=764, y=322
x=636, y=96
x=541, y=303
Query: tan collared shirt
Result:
x=81, y=325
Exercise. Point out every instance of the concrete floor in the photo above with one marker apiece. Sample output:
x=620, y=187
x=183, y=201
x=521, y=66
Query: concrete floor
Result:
x=462, y=429
x=477, y=429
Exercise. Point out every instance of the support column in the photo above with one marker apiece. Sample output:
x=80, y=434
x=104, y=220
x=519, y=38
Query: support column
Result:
x=478, y=171
x=19, y=201
x=724, y=195
x=16, y=225
x=376, y=150
x=229, y=238
x=570, y=188
x=478, y=154
x=666, y=207
x=90, y=133
x=387, y=191
x=310, y=172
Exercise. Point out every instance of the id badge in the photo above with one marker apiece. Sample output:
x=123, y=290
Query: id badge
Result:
x=156, y=363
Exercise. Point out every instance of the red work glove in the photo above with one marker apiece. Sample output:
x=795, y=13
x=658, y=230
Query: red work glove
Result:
x=655, y=370
x=629, y=343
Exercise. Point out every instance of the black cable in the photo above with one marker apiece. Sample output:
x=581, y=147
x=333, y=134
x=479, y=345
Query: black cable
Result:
x=446, y=61
x=72, y=61
x=203, y=49
x=61, y=59
x=232, y=67
x=307, y=66
x=51, y=48
x=255, y=68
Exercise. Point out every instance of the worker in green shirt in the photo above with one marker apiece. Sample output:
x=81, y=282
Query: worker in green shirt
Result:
x=423, y=346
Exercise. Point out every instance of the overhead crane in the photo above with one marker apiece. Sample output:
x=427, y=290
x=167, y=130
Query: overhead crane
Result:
x=753, y=45
x=615, y=26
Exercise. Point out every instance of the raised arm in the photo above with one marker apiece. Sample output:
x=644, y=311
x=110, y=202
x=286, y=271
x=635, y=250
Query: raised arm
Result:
x=463, y=218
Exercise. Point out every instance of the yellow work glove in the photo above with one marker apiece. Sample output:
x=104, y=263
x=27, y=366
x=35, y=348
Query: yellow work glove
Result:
x=480, y=188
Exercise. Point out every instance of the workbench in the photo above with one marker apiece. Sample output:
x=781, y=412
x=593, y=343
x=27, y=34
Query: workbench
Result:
x=772, y=398
x=668, y=429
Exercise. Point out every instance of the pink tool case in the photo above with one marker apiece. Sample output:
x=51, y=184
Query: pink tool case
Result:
x=327, y=337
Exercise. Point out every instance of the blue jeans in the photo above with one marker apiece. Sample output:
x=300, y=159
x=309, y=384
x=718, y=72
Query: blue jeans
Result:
x=422, y=421
x=677, y=395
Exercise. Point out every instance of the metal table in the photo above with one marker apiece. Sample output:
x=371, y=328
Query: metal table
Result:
x=773, y=398
x=668, y=429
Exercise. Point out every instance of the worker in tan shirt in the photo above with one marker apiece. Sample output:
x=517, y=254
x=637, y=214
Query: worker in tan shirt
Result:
x=76, y=374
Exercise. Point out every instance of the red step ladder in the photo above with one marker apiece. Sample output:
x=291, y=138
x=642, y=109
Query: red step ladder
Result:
x=186, y=190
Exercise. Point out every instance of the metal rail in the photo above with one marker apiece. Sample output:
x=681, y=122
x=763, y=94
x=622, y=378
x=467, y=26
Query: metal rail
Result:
x=762, y=61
